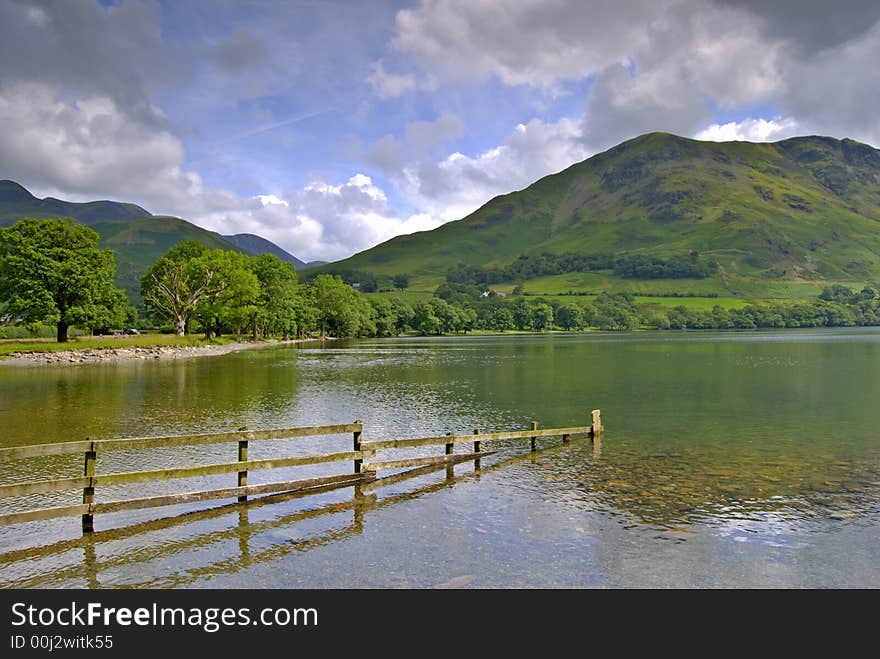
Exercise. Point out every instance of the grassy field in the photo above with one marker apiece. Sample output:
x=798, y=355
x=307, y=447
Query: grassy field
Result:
x=410, y=296
x=731, y=287
x=690, y=303
x=8, y=346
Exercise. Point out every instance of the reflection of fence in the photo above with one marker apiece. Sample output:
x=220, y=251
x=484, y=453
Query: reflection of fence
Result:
x=89, y=556
x=363, y=455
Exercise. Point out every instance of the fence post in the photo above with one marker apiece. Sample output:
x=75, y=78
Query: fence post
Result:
x=242, y=457
x=88, y=520
x=450, y=449
x=534, y=439
x=356, y=435
x=476, y=449
x=596, y=427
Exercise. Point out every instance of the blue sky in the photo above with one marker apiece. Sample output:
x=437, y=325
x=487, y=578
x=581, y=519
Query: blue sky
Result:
x=330, y=126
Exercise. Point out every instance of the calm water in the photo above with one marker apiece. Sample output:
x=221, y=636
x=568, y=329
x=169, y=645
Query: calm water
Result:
x=729, y=460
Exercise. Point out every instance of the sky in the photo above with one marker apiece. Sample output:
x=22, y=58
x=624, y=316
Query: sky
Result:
x=329, y=126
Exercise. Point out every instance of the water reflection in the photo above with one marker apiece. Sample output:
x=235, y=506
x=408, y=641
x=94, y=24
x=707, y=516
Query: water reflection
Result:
x=728, y=459
x=686, y=487
x=274, y=537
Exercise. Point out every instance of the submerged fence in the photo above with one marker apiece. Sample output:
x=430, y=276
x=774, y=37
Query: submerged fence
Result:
x=363, y=454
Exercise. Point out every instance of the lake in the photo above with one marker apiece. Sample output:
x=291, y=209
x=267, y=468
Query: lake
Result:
x=729, y=459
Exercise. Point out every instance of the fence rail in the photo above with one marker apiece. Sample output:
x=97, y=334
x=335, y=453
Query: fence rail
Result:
x=363, y=456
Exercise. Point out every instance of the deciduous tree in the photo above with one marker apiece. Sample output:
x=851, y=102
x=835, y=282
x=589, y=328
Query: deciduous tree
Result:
x=52, y=271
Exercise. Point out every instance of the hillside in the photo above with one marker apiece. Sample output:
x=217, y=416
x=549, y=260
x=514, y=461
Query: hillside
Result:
x=16, y=202
x=790, y=214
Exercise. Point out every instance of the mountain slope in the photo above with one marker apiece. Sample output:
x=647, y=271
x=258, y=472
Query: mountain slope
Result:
x=803, y=209
x=253, y=244
x=16, y=202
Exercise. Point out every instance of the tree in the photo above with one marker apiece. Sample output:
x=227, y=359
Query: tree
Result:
x=385, y=317
x=501, y=319
x=424, y=321
x=52, y=271
x=446, y=314
x=400, y=281
x=342, y=311
x=522, y=314
x=231, y=298
x=173, y=286
x=404, y=313
x=570, y=317
x=278, y=298
x=542, y=316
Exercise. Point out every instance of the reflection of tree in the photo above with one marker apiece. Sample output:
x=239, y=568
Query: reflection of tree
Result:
x=58, y=404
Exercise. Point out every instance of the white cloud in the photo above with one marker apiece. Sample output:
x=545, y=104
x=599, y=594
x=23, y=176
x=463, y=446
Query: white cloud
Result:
x=532, y=42
x=454, y=186
x=321, y=221
x=665, y=65
x=89, y=148
x=89, y=145
x=390, y=85
x=750, y=130
x=271, y=200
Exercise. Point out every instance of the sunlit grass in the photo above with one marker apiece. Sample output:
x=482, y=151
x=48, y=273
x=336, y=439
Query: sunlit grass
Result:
x=9, y=346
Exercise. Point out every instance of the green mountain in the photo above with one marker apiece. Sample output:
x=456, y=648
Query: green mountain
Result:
x=775, y=216
x=136, y=237
x=16, y=202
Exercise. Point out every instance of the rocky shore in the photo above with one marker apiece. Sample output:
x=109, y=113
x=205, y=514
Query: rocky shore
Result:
x=134, y=353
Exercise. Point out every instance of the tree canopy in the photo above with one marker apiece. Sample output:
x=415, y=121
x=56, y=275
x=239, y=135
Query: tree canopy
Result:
x=52, y=272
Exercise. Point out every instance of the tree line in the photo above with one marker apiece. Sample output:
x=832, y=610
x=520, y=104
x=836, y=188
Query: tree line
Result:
x=52, y=272
x=636, y=266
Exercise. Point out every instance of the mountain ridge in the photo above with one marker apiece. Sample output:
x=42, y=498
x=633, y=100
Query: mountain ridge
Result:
x=804, y=208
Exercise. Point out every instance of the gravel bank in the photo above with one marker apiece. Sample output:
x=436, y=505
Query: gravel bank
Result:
x=134, y=353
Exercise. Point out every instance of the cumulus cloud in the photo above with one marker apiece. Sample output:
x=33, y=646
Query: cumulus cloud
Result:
x=532, y=42
x=82, y=48
x=456, y=185
x=836, y=91
x=812, y=25
x=80, y=83
x=663, y=65
x=390, y=85
x=751, y=130
x=88, y=145
x=321, y=221
x=690, y=64
x=82, y=149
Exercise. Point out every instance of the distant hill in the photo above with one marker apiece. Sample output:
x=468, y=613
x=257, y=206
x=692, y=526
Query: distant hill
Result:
x=16, y=202
x=136, y=237
x=802, y=210
x=253, y=244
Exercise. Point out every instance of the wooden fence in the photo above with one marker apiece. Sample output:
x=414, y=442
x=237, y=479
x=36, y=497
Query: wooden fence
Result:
x=362, y=455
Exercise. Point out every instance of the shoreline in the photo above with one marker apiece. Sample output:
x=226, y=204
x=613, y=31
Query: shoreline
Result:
x=76, y=356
